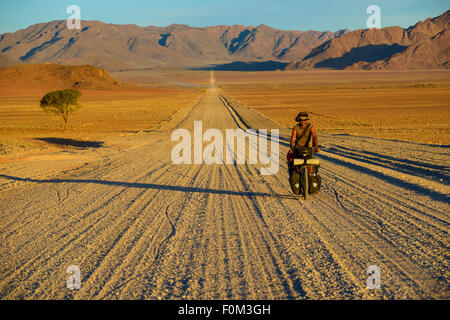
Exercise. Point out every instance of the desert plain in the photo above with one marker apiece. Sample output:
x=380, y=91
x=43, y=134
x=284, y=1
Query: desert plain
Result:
x=400, y=105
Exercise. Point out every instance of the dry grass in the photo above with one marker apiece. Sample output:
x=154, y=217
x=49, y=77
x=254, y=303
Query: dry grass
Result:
x=103, y=114
x=401, y=105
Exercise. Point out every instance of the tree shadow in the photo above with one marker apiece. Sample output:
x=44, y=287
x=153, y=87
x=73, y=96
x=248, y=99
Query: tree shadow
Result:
x=246, y=66
x=72, y=143
x=370, y=53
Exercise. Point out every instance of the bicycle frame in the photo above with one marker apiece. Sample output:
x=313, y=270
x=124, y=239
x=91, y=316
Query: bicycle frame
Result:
x=301, y=164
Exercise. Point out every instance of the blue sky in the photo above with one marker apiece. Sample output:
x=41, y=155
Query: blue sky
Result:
x=282, y=14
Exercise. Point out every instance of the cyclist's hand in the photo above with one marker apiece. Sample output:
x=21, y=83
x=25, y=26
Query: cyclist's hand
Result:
x=317, y=150
x=290, y=151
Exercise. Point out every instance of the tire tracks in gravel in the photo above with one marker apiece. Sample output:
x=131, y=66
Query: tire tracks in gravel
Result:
x=153, y=251
x=138, y=241
x=77, y=233
x=387, y=202
x=61, y=179
x=307, y=280
x=189, y=249
x=378, y=239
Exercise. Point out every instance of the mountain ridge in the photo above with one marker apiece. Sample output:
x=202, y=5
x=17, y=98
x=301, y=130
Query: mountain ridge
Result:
x=385, y=48
x=113, y=47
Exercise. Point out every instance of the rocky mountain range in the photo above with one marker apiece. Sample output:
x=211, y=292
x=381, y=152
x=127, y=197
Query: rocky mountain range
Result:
x=116, y=47
x=425, y=45
x=123, y=47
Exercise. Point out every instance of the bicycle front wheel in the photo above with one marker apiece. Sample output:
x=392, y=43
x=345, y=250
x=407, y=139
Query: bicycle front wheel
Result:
x=305, y=182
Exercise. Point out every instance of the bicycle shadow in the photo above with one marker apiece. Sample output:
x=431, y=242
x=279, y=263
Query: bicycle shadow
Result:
x=249, y=194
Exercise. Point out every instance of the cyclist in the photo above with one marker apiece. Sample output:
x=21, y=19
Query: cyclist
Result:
x=303, y=135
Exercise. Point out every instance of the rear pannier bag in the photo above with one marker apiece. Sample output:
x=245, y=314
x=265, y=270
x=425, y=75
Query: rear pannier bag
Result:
x=314, y=183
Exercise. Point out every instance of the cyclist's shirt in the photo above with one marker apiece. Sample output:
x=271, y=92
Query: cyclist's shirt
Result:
x=304, y=138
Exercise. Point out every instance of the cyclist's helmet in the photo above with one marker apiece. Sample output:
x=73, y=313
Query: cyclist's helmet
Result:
x=302, y=116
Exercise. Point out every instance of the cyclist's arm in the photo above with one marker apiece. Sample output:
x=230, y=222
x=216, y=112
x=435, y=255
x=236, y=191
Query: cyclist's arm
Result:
x=293, y=137
x=316, y=140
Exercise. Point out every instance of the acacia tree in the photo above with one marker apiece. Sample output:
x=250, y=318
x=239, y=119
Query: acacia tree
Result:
x=61, y=102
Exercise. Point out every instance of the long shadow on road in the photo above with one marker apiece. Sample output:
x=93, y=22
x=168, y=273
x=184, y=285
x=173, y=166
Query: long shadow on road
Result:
x=436, y=172
x=435, y=195
x=72, y=142
x=154, y=186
